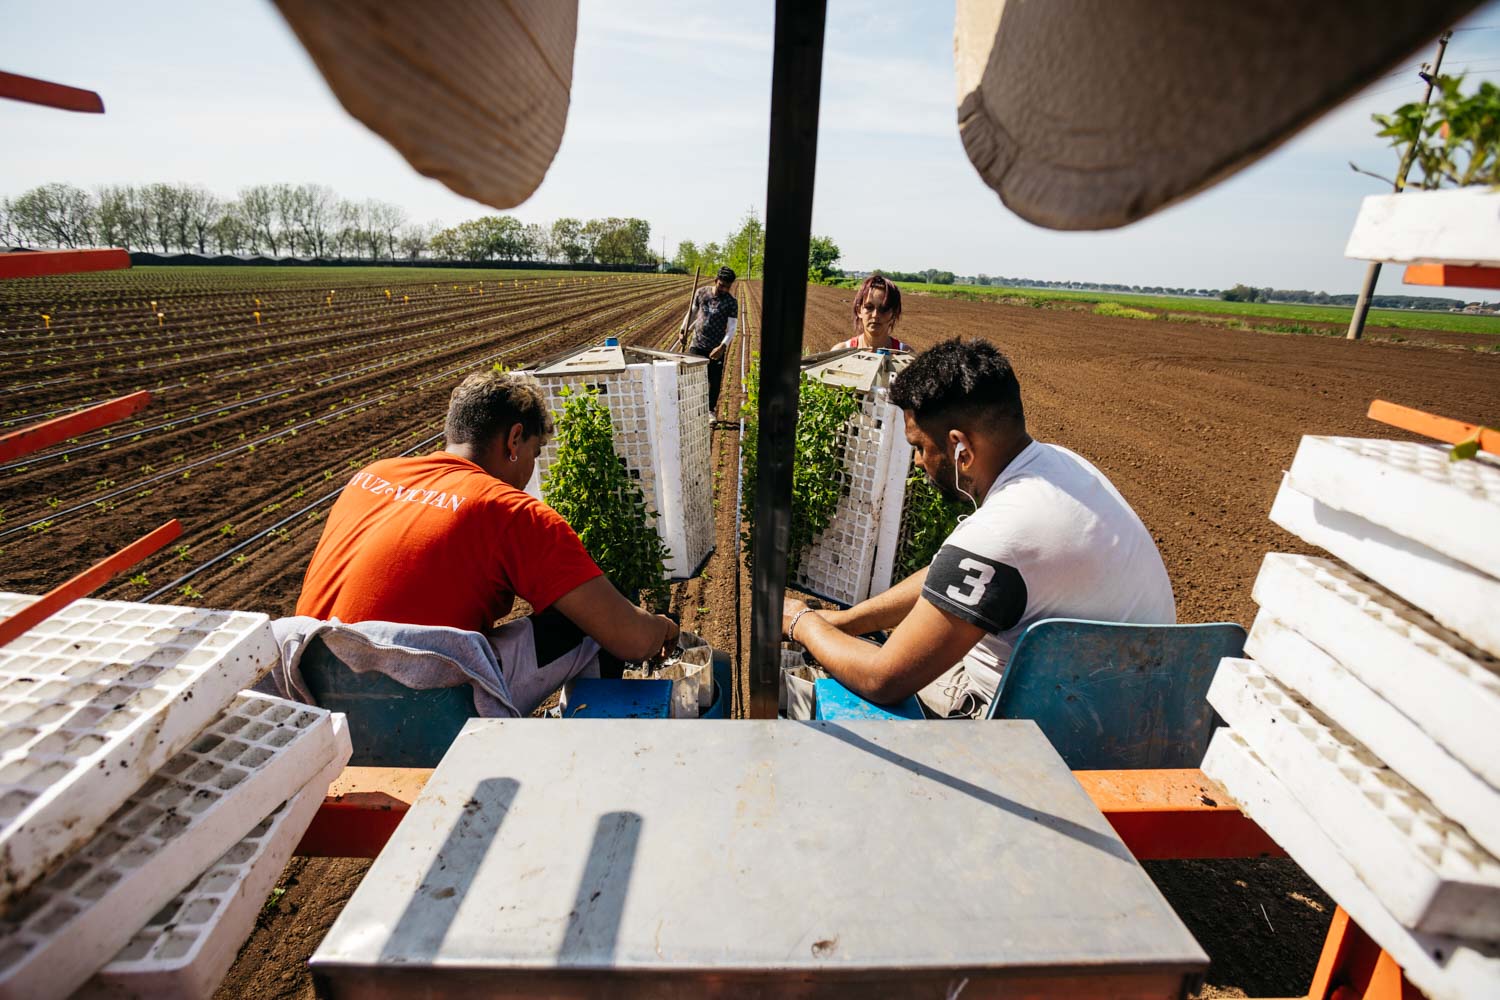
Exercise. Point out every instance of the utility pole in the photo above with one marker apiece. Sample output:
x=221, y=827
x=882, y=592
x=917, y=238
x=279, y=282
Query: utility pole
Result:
x=1372, y=275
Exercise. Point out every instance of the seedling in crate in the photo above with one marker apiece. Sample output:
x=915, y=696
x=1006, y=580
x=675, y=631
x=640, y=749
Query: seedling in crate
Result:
x=589, y=486
x=818, y=473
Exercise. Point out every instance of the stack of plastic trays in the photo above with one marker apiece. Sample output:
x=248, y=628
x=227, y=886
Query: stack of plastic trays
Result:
x=94, y=700
x=184, y=820
x=187, y=947
x=1366, y=731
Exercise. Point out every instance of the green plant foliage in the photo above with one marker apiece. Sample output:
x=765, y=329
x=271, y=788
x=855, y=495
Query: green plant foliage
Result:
x=1123, y=312
x=818, y=482
x=590, y=487
x=1454, y=140
x=926, y=522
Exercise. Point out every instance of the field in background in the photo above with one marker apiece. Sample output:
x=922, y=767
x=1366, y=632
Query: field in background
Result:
x=1393, y=319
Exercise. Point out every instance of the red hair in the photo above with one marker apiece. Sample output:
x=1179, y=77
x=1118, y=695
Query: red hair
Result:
x=892, y=297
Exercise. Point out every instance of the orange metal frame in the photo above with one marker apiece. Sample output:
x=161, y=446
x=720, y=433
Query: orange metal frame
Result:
x=35, y=437
x=1159, y=815
x=39, y=263
x=1438, y=428
x=52, y=95
x=1452, y=276
x=88, y=581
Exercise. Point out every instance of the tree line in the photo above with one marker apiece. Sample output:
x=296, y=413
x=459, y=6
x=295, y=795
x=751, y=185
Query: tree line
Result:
x=743, y=250
x=1248, y=293
x=300, y=220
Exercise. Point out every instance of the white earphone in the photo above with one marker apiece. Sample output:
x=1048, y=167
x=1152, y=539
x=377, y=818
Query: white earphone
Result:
x=959, y=449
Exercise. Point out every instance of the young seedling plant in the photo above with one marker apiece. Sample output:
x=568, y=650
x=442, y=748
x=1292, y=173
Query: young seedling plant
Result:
x=590, y=487
x=818, y=483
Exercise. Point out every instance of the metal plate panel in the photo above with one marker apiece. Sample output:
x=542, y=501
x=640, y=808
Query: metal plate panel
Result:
x=630, y=852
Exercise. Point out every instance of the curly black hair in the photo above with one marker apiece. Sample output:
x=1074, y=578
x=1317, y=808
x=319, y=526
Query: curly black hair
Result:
x=962, y=379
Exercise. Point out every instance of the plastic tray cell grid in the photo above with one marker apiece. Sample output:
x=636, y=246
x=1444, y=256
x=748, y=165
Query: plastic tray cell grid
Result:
x=100, y=692
x=1430, y=874
x=1446, y=685
x=1411, y=488
x=695, y=436
x=185, y=949
x=1444, y=968
x=193, y=809
x=624, y=394
x=839, y=563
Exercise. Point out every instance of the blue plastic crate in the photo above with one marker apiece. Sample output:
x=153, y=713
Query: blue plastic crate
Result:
x=837, y=703
x=597, y=698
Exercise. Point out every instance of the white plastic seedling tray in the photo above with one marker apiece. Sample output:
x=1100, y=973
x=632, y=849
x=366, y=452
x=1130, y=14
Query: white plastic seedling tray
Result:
x=1458, y=792
x=186, y=949
x=1457, y=595
x=1444, y=968
x=94, y=700
x=198, y=806
x=1446, y=686
x=1427, y=871
x=1411, y=488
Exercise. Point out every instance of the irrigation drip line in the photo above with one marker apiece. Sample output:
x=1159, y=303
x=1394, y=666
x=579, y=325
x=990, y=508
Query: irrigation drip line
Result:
x=227, y=553
x=304, y=511
x=465, y=318
x=220, y=456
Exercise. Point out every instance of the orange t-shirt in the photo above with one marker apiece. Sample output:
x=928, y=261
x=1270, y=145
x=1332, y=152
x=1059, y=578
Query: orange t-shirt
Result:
x=436, y=540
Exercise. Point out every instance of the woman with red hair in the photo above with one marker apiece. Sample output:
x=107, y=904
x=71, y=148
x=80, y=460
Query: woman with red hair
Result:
x=877, y=307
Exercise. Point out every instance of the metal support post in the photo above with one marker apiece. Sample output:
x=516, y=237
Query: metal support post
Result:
x=1372, y=273
x=796, y=85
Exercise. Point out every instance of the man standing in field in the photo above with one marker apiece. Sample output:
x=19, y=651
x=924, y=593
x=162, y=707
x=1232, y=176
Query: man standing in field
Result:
x=452, y=538
x=712, y=320
x=1049, y=537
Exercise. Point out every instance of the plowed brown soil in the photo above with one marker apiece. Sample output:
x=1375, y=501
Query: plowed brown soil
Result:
x=1193, y=424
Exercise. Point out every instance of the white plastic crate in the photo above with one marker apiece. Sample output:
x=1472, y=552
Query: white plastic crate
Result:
x=1311, y=673
x=1447, y=687
x=186, y=949
x=1461, y=597
x=1412, y=489
x=1427, y=871
x=1444, y=968
x=193, y=810
x=658, y=404
x=96, y=698
x=855, y=554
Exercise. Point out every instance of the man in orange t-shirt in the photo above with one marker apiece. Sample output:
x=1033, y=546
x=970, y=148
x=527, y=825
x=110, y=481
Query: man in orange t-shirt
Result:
x=452, y=539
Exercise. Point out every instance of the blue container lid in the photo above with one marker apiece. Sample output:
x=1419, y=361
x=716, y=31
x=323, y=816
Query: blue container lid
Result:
x=611, y=341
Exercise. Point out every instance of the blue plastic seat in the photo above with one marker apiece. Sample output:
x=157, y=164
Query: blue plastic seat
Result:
x=1109, y=695
x=390, y=724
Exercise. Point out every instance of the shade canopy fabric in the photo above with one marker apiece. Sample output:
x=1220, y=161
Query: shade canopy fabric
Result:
x=474, y=94
x=1087, y=114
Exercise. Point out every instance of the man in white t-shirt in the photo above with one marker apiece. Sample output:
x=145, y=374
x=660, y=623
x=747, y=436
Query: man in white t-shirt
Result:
x=1049, y=537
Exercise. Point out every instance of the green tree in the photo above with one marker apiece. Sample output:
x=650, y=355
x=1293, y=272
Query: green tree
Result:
x=567, y=240
x=745, y=246
x=822, y=255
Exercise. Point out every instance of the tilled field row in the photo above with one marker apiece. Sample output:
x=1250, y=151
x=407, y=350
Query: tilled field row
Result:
x=240, y=486
x=224, y=414
x=262, y=560
x=330, y=336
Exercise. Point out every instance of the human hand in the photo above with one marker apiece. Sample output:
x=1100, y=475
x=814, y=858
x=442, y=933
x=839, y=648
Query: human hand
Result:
x=790, y=607
x=716, y=353
x=669, y=643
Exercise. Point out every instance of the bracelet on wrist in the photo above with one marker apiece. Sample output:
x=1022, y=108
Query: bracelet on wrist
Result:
x=791, y=630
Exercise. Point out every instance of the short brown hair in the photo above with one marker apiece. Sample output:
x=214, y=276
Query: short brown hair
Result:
x=490, y=403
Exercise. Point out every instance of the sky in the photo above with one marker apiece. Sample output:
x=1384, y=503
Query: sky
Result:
x=669, y=118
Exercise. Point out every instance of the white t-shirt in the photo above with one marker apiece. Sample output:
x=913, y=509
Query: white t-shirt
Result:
x=1052, y=539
